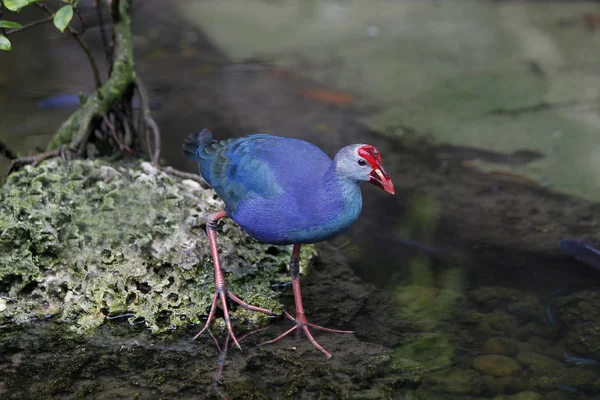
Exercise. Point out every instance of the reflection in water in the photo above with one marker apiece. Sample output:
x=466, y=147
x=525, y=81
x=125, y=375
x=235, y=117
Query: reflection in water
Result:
x=222, y=357
x=430, y=293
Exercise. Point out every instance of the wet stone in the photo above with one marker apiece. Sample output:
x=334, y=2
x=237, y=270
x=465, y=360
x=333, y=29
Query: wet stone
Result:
x=539, y=362
x=501, y=345
x=557, y=351
x=580, y=312
x=556, y=395
x=455, y=381
x=496, y=365
x=506, y=385
x=527, y=348
x=524, y=396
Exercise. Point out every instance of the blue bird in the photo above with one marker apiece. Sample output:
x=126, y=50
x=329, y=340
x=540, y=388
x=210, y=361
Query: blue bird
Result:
x=282, y=191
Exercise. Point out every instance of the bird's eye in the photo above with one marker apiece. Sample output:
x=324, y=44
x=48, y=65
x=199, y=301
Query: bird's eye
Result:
x=362, y=162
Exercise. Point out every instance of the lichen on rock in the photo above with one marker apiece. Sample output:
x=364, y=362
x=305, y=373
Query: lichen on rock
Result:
x=87, y=240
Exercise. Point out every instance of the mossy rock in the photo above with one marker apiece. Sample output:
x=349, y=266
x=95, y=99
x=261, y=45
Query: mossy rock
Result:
x=87, y=240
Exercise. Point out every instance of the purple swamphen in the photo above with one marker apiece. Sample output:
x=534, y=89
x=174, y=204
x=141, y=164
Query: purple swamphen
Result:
x=282, y=191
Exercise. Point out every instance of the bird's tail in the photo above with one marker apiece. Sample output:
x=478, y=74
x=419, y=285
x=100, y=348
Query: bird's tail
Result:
x=195, y=142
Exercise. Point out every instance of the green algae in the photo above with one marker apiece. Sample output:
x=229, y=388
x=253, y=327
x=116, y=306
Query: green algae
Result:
x=433, y=350
x=87, y=240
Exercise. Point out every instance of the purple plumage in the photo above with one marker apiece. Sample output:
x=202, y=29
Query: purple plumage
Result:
x=282, y=191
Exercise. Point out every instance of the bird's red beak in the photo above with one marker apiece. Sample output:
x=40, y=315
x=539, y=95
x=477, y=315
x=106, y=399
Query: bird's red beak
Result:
x=380, y=178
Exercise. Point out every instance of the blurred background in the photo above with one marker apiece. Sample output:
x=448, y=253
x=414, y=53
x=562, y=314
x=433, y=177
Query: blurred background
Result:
x=487, y=115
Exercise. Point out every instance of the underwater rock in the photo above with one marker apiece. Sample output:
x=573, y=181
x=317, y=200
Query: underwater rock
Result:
x=493, y=364
x=506, y=385
x=510, y=312
x=539, y=362
x=525, y=396
x=581, y=314
x=501, y=345
x=430, y=349
x=521, y=304
x=580, y=378
x=555, y=395
x=493, y=297
x=426, y=307
x=88, y=240
x=454, y=380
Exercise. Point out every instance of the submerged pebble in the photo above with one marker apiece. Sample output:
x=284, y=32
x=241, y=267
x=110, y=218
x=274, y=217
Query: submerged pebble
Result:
x=539, y=362
x=456, y=381
x=506, y=384
x=525, y=396
x=497, y=365
x=501, y=345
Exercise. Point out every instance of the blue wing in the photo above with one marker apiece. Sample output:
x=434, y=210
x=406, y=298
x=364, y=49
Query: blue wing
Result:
x=257, y=166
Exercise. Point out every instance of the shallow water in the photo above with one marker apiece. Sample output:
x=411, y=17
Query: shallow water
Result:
x=462, y=263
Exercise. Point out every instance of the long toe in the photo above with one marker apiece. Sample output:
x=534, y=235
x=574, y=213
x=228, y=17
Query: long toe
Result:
x=304, y=327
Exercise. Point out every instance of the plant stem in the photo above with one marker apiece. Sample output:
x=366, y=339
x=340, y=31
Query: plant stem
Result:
x=150, y=124
x=2, y=31
x=76, y=129
x=82, y=44
x=31, y=24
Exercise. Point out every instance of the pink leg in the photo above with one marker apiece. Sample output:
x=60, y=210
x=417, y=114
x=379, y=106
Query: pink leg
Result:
x=221, y=291
x=302, y=323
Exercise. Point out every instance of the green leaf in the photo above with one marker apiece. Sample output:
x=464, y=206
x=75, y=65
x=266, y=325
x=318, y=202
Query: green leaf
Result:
x=16, y=5
x=5, y=43
x=10, y=25
x=63, y=17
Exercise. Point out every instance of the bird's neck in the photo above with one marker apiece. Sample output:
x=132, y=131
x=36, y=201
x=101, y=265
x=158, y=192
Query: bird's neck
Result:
x=344, y=192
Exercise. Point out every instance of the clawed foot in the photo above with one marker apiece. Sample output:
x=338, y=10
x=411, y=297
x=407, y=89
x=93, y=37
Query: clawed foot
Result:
x=302, y=325
x=223, y=294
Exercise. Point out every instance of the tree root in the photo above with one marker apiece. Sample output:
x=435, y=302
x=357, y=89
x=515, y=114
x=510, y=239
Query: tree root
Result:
x=34, y=160
x=186, y=175
x=104, y=124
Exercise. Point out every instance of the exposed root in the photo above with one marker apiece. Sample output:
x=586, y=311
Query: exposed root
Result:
x=151, y=127
x=104, y=124
x=186, y=175
x=34, y=160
